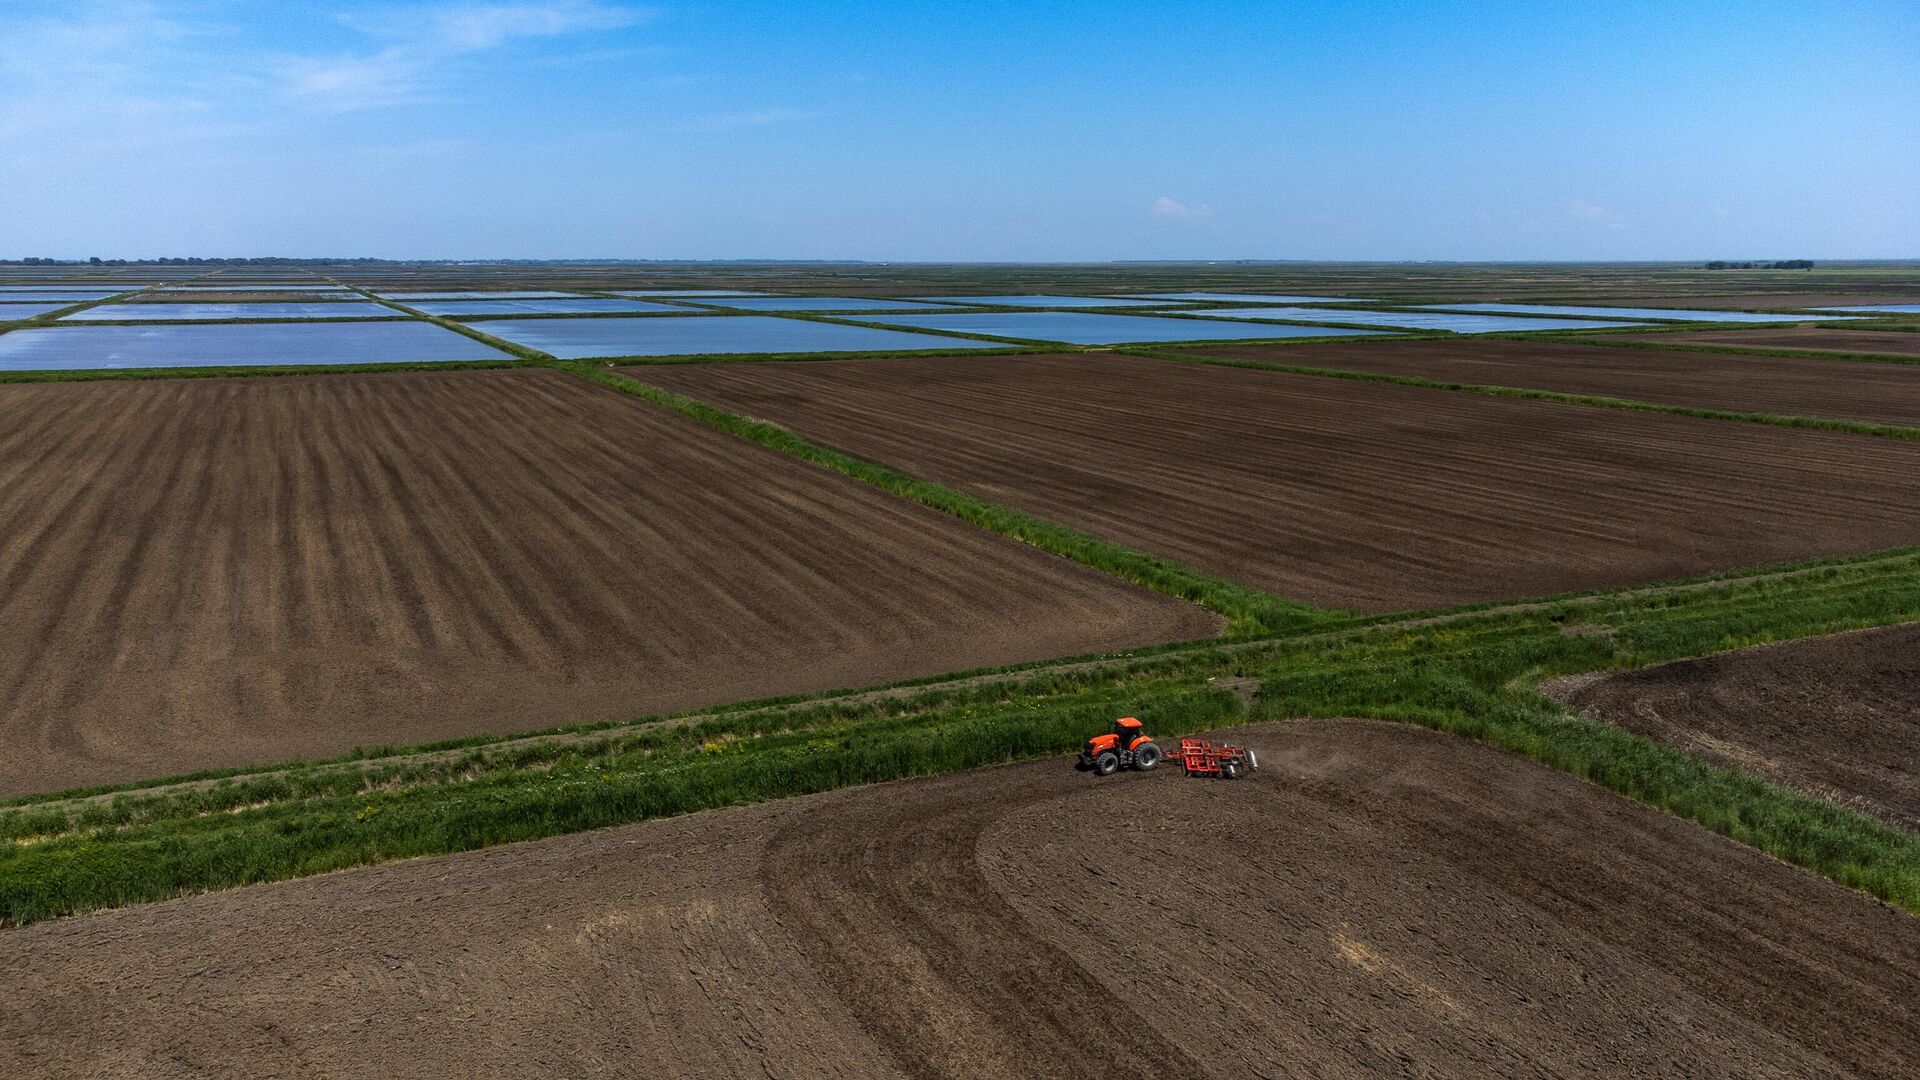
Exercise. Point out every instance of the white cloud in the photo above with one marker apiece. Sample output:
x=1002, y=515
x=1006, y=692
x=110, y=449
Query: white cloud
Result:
x=345, y=83
x=1168, y=210
x=1596, y=214
x=758, y=118
x=469, y=27
x=424, y=40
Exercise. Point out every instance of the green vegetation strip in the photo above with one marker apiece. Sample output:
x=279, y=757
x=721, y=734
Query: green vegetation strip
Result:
x=1473, y=676
x=1816, y=423
x=1755, y=351
x=1248, y=611
x=246, y=371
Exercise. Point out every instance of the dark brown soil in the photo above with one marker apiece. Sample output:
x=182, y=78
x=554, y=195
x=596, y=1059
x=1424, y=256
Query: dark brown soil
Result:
x=1793, y=386
x=1675, y=298
x=1838, y=717
x=1345, y=493
x=221, y=572
x=1888, y=342
x=1377, y=900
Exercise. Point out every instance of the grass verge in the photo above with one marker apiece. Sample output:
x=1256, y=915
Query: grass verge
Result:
x=1473, y=676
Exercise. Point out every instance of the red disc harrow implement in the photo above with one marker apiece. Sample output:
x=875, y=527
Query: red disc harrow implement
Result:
x=1203, y=757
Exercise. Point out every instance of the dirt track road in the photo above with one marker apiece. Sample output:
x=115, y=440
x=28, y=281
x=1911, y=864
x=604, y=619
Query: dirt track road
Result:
x=1379, y=899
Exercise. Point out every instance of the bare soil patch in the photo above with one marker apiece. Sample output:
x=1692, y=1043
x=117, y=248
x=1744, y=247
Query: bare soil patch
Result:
x=1792, y=386
x=1679, y=298
x=1838, y=717
x=1888, y=342
x=1345, y=493
x=1377, y=899
x=208, y=573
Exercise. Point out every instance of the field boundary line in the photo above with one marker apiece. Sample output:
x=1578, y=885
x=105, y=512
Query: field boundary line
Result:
x=1249, y=612
x=1598, y=401
x=1758, y=352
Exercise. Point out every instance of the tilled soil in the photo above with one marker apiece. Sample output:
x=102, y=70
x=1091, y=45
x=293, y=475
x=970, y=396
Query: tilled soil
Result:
x=1838, y=717
x=1377, y=899
x=1888, y=342
x=1344, y=493
x=1793, y=386
x=223, y=572
x=1760, y=301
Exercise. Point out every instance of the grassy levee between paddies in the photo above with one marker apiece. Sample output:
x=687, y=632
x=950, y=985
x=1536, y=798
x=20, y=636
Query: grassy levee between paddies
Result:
x=1249, y=612
x=1642, y=340
x=1814, y=423
x=236, y=371
x=1474, y=676
x=394, y=813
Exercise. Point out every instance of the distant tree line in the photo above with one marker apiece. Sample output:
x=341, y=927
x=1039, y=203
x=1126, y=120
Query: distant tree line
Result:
x=1783, y=264
x=266, y=260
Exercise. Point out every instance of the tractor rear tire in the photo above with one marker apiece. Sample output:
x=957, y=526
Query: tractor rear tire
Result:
x=1146, y=757
x=1107, y=763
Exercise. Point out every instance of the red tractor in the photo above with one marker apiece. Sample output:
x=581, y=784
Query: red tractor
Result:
x=1127, y=746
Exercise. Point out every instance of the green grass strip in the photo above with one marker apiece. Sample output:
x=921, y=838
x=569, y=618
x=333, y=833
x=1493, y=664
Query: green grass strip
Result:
x=1757, y=352
x=1815, y=423
x=248, y=371
x=1249, y=612
x=1472, y=678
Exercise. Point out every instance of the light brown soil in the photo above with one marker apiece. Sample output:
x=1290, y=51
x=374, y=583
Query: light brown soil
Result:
x=1792, y=386
x=205, y=573
x=1343, y=493
x=1376, y=900
x=1838, y=717
x=1888, y=342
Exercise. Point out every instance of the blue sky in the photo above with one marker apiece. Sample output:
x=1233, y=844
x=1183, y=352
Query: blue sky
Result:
x=972, y=131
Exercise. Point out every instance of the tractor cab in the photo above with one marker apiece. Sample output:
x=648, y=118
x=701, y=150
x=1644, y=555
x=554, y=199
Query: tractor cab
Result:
x=1126, y=745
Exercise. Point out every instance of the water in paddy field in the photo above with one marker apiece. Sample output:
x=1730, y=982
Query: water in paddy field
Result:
x=14, y=312
x=207, y=286
x=342, y=309
x=1890, y=309
x=1631, y=313
x=1090, y=328
x=1428, y=320
x=581, y=339
x=818, y=303
x=569, y=305
x=1256, y=298
x=689, y=293
x=1043, y=301
x=38, y=295
x=79, y=348
x=463, y=294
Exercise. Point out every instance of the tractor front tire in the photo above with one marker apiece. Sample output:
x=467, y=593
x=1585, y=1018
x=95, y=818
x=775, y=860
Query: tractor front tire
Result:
x=1107, y=763
x=1146, y=757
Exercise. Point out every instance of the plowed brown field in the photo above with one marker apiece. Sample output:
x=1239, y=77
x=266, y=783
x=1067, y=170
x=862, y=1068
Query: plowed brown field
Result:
x=1838, y=717
x=205, y=573
x=1377, y=900
x=1888, y=342
x=1673, y=298
x=1345, y=493
x=1794, y=386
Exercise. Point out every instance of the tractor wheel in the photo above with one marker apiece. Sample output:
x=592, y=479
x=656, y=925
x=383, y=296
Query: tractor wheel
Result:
x=1107, y=763
x=1146, y=757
